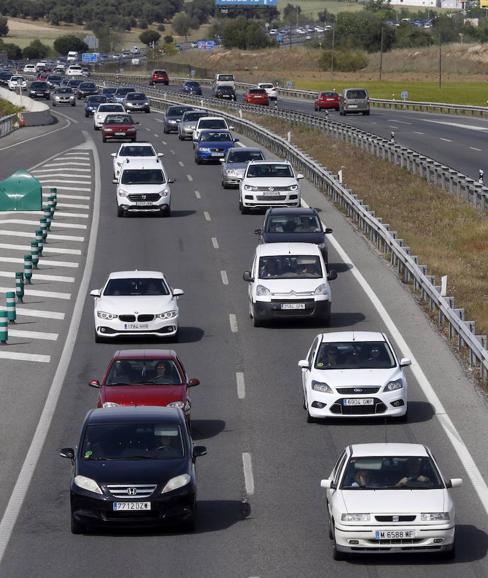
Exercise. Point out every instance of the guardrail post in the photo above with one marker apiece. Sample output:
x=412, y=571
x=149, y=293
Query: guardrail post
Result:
x=28, y=268
x=3, y=327
x=10, y=302
x=19, y=286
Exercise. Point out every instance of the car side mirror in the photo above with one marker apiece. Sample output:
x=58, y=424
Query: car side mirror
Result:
x=178, y=292
x=304, y=364
x=159, y=155
x=171, y=181
x=193, y=382
x=113, y=154
x=327, y=484
x=236, y=140
x=95, y=292
x=231, y=128
x=331, y=275
x=68, y=453
x=115, y=181
x=94, y=383
x=454, y=483
x=258, y=231
x=247, y=276
x=328, y=230
x=405, y=362
x=199, y=451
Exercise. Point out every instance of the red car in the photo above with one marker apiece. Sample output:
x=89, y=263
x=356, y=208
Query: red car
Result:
x=256, y=96
x=145, y=377
x=159, y=77
x=326, y=100
x=118, y=126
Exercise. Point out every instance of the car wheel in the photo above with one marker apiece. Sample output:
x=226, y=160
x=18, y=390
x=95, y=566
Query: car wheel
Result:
x=120, y=212
x=73, y=104
x=336, y=554
x=242, y=208
x=180, y=137
x=134, y=139
x=449, y=554
x=256, y=320
x=54, y=104
x=99, y=338
x=165, y=131
x=198, y=161
x=147, y=110
x=77, y=527
x=331, y=535
x=342, y=113
x=104, y=139
x=86, y=115
x=167, y=212
x=402, y=418
x=224, y=185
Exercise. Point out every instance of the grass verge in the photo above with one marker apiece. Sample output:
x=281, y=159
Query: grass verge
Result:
x=7, y=108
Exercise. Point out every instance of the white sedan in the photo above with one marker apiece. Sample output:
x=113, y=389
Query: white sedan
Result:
x=135, y=303
x=389, y=498
x=103, y=110
x=140, y=151
x=16, y=82
x=353, y=374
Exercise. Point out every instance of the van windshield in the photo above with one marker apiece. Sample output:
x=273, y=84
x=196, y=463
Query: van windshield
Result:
x=290, y=267
x=143, y=177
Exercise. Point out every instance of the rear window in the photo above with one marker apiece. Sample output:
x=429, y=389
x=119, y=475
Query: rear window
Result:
x=329, y=94
x=212, y=123
x=244, y=156
x=160, y=72
x=118, y=119
x=356, y=94
x=257, y=91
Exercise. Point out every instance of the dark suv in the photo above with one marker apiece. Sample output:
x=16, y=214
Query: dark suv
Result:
x=133, y=466
x=39, y=89
x=290, y=225
x=225, y=92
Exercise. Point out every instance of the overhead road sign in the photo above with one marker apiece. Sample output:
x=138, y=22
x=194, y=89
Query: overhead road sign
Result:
x=246, y=2
x=89, y=57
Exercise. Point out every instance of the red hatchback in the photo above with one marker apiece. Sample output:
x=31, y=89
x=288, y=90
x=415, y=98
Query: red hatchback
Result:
x=326, y=100
x=119, y=126
x=256, y=96
x=159, y=77
x=145, y=377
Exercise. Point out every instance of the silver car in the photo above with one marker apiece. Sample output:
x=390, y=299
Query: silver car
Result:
x=136, y=101
x=63, y=95
x=234, y=164
x=188, y=123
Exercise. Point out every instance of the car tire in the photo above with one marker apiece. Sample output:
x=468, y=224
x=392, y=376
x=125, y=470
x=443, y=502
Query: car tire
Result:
x=148, y=110
x=256, y=320
x=242, y=208
x=180, y=137
x=224, y=185
x=336, y=554
x=331, y=535
x=86, y=115
x=120, y=212
x=73, y=104
x=167, y=212
x=99, y=338
x=54, y=104
x=104, y=139
x=342, y=113
x=77, y=527
x=165, y=131
x=134, y=139
x=189, y=525
x=198, y=161
x=366, y=113
x=402, y=418
x=449, y=554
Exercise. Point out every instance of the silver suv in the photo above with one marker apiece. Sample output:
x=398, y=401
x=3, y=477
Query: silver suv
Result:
x=354, y=100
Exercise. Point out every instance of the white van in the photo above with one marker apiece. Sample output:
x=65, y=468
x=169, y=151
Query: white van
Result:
x=289, y=280
x=72, y=56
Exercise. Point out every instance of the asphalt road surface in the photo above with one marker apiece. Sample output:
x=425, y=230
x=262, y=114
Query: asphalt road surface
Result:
x=260, y=448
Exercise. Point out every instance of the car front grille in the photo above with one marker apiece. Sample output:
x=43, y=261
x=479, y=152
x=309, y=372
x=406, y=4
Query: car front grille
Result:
x=378, y=407
x=151, y=197
x=271, y=198
x=127, y=318
x=292, y=300
x=398, y=518
x=131, y=490
x=145, y=317
x=217, y=150
x=357, y=389
x=264, y=189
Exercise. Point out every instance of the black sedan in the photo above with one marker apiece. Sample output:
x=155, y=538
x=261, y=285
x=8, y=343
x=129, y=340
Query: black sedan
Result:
x=192, y=87
x=86, y=89
x=39, y=89
x=173, y=117
x=92, y=102
x=133, y=466
x=290, y=225
x=225, y=93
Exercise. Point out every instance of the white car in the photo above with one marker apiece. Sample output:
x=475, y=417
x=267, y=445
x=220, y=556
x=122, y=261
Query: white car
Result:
x=288, y=280
x=389, y=498
x=140, y=151
x=269, y=184
x=16, y=82
x=209, y=122
x=74, y=70
x=143, y=187
x=353, y=374
x=135, y=303
x=103, y=110
x=29, y=69
x=270, y=89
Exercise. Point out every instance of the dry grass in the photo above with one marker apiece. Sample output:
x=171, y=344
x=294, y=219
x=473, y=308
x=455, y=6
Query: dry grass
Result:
x=447, y=234
x=7, y=108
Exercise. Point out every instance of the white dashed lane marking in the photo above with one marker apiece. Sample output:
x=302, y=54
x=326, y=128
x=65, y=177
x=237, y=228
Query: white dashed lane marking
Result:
x=198, y=195
x=70, y=264
x=215, y=243
x=189, y=177
x=37, y=313
x=233, y=323
x=41, y=277
x=33, y=334
x=223, y=276
x=25, y=357
x=241, y=385
x=36, y=293
x=248, y=473
x=207, y=216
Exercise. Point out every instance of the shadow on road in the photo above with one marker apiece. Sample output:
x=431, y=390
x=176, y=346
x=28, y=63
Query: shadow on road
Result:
x=202, y=429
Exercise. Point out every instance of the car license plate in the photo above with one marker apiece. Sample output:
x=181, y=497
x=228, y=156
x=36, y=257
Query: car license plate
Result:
x=270, y=193
x=293, y=305
x=217, y=154
x=353, y=106
x=137, y=506
x=361, y=401
x=394, y=534
x=143, y=203
x=136, y=326
x=120, y=133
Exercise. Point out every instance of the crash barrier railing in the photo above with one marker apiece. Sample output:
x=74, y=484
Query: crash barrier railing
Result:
x=8, y=124
x=438, y=174
x=379, y=233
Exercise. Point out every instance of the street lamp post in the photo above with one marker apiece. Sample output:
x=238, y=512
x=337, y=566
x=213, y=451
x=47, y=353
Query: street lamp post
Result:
x=440, y=60
x=332, y=55
x=381, y=50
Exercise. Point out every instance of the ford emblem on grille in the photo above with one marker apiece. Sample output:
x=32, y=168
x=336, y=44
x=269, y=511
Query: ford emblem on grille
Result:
x=358, y=390
x=132, y=491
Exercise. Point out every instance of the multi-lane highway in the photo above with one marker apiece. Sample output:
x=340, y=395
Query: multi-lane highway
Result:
x=248, y=408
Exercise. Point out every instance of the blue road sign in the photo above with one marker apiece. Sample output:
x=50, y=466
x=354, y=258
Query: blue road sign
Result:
x=89, y=57
x=246, y=2
x=404, y=95
x=206, y=44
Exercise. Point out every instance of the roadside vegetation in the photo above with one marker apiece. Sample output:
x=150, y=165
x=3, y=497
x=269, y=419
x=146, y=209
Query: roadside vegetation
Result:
x=7, y=108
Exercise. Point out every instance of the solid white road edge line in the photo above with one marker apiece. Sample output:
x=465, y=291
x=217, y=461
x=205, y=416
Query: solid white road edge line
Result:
x=447, y=425
x=241, y=385
x=69, y=123
x=248, y=474
x=28, y=467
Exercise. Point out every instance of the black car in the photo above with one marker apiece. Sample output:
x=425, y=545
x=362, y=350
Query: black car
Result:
x=86, y=89
x=173, y=117
x=54, y=80
x=225, y=92
x=192, y=87
x=92, y=102
x=290, y=225
x=75, y=83
x=39, y=89
x=133, y=466
x=109, y=92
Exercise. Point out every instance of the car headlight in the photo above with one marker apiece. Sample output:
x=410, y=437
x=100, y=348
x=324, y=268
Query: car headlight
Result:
x=110, y=404
x=293, y=188
x=322, y=289
x=122, y=192
x=176, y=483
x=393, y=385
x=107, y=316
x=250, y=188
x=355, y=517
x=261, y=290
x=434, y=516
x=164, y=192
x=204, y=149
x=172, y=121
x=106, y=129
x=87, y=484
x=321, y=386
x=184, y=405
x=167, y=314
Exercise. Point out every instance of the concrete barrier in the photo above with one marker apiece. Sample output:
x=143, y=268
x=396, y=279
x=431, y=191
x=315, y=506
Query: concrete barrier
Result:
x=35, y=113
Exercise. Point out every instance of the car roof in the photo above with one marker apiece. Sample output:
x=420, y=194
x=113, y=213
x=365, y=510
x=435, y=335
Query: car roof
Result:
x=211, y=118
x=265, y=162
x=134, y=414
x=351, y=336
x=307, y=211
x=136, y=274
x=388, y=449
x=246, y=149
x=145, y=354
x=266, y=249
x=139, y=143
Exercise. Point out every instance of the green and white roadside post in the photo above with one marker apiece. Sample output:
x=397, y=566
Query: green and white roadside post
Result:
x=44, y=228
x=11, y=310
x=28, y=268
x=3, y=327
x=40, y=241
x=34, y=254
x=19, y=286
x=48, y=217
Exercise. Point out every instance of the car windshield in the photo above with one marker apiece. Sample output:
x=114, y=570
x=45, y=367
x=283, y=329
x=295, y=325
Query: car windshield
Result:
x=269, y=171
x=290, y=267
x=87, y=86
x=192, y=116
x=142, y=177
x=132, y=441
x=215, y=136
x=109, y=90
x=38, y=85
x=391, y=473
x=192, y=84
x=176, y=111
x=355, y=355
x=243, y=156
x=213, y=123
x=136, y=96
x=74, y=83
x=356, y=94
x=96, y=99
x=329, y=94
x=136, y=151
x=226, y=77
x=293, y=224
x=64, y=90
x=143, y=371
x=123, y=91
x=135, y=286
x=53, y=77
x=110, y=108
x=118, y=119
x=263, y=85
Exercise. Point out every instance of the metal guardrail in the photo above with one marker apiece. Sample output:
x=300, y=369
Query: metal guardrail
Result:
x=379, y=233
x=8, y=124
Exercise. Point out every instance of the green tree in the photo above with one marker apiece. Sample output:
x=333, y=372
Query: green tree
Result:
x=363, y=30
x=181, y=24
x=3, y=26
x=69, y=42
x=13, y=51
x=244, y=34
x=408, y=36
x=35, y=50
x=168, y=39
x=149, y=36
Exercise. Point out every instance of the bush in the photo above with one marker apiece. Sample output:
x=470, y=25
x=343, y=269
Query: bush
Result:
x=149, y=37
x=168, y=39
x=69, y=42
x=344, y=60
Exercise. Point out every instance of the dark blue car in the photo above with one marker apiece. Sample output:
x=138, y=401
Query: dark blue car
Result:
x=212, y=145
x=92, y=102
x=192, y=87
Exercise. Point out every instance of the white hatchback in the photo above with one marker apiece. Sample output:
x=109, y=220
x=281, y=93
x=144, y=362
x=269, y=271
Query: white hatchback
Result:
x=135, y=303
x=209, y=122
x=103, y=110
x=389, y=498
x=270, y=89
x=353, y=374
x=140, y=151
